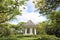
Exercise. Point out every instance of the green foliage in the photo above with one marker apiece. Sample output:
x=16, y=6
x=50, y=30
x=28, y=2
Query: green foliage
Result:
x=20, y=25
x=47, y=6
x=47, y=37
x=9, y=9
x=7, y=29
x=4, y=30
x=53, y=26
x=8, y=39
x=41, y=27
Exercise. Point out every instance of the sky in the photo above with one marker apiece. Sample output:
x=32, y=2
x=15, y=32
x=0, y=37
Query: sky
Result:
x=29, y=13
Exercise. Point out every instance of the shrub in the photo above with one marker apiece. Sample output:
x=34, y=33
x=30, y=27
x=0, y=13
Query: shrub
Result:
x=47, y=37
x=8, y=38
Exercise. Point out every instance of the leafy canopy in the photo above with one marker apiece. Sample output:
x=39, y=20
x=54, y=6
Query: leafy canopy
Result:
x=9, y=9
x=47, y=6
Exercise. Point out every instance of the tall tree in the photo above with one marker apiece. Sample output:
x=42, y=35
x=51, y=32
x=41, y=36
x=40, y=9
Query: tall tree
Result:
x=20, y=25
x=47, y=6
x=41, y=27
x=9, y=9
x=5, y=30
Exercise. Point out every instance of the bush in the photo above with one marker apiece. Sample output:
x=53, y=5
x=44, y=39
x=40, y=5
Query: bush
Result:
x=8, y=39
x=47, y=37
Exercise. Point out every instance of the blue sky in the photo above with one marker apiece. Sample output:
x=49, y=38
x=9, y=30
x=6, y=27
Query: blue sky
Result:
x=29, y=14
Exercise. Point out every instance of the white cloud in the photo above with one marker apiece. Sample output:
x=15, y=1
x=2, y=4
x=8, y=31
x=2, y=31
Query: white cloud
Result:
x=34, y=16
x=27, y=15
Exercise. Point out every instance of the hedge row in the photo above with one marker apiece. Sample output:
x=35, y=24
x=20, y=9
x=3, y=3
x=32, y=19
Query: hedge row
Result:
x=8, y=39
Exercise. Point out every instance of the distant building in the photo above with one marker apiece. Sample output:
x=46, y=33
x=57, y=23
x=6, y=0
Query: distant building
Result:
x=29, y=28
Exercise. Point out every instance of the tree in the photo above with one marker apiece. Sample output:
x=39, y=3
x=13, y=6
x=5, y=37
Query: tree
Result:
x=5, y=30
x=41, y=27
x=9, y=9
x=47, y=6
x=16, y=29
x=53, y=27
x=20, y=25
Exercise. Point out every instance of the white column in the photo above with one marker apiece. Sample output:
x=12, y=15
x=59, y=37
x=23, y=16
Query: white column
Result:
x=31, y=31
x=25, y=31
x=35, y=31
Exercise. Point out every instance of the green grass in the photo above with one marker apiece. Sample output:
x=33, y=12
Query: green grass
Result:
x=31, y=37
x=26, y=38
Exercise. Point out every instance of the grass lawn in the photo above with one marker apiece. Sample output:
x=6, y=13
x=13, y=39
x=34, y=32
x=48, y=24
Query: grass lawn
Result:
x=40, y=37
x=32, y=37
x=27, y=38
